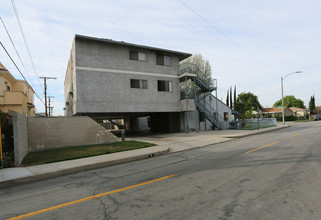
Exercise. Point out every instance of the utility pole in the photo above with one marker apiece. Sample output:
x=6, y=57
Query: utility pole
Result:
x=45, y=86
x=49, y=107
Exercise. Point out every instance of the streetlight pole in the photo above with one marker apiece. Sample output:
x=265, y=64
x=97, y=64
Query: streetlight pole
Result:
x=282, y=78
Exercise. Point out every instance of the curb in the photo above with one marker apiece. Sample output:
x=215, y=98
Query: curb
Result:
x=62, y=172
x=259, y=132
x=232, y=138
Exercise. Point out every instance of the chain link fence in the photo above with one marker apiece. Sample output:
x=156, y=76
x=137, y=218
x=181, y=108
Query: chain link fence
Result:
x=256, y=123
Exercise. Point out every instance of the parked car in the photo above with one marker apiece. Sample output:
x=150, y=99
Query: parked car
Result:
x=317, y=117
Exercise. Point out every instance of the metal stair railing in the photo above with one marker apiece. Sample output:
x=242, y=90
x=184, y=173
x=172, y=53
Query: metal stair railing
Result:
x=219, y=117
x=205, y=84
x=208, y=115
x=204, y=107
x=202, y=80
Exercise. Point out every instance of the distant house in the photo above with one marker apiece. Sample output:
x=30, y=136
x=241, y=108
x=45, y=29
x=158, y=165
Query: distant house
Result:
x=317, y=111
x=299, y=112
x=276, y=112
x=288, y=111
x=109, y=80
x=15, y=95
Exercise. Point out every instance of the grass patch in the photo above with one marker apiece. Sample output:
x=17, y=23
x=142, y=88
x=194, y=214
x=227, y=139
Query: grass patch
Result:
x=62, y=154
x=304, y=120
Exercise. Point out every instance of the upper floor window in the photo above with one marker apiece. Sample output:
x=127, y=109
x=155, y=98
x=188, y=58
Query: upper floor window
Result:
x=163, y=60
x=138, y=83
x=8, y=88
x=165, y=86
x=134, y=55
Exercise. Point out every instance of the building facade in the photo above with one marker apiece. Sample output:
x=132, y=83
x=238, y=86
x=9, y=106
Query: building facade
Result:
x=15, y=95
x=108, y=79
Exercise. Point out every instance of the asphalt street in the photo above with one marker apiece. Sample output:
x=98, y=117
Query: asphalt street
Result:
x=275, y=175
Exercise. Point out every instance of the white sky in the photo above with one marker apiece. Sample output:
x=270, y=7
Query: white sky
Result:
x=249, y=43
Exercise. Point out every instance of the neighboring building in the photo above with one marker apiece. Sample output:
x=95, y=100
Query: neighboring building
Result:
x=317, y=110
x=225, y=113
x=108, y=79
x=316, y=113
x=15, y=95
x=276, y=112
x=288, y=111
x=299, y=112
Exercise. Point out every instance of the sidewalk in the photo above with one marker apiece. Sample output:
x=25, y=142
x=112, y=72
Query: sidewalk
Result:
x=173, y=142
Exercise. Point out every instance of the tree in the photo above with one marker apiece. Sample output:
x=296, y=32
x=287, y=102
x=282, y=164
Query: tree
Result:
x=203, y=65
x=290, y=101
x=227, y=98
x=245, y=103
x=312, y=104
x=234, y=96
x=231, y=99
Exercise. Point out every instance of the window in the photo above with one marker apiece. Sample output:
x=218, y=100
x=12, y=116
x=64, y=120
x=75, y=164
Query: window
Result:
x=134, y=55
x=215, y=115
x=225, y=116
x=165, y=86
x=163, y=60
x=201, y=117
x=138, y=83
x=8, y=88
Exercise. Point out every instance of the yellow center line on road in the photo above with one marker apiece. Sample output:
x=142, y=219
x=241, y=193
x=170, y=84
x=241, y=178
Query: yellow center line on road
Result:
x=250, y=151
x=293, y=135
x=87, y=198
x=314, y=127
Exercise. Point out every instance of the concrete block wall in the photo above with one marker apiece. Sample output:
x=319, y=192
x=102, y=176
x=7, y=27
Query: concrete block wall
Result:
x=20, y=133
x=59, y=132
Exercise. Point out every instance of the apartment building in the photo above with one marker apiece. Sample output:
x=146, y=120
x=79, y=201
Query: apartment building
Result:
x=15, y=95
x=107, y=79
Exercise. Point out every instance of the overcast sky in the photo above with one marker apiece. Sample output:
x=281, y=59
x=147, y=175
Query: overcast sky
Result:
x=249, y=43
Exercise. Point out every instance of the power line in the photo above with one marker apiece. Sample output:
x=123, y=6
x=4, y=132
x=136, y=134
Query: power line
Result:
x=222, y=33
x=19, y=69
x=24, y=38
x=17, y=52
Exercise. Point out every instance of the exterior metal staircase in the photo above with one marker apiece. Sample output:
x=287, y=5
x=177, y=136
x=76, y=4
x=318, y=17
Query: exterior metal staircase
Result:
x=202, y=86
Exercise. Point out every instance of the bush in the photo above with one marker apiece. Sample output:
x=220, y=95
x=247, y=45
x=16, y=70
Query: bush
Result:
x=8, y=159
x=287, y=118
x=290, y=118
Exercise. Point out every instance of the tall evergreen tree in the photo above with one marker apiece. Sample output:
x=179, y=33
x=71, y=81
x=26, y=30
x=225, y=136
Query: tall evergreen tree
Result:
x=234, y=97
x=312, y=104
x=231, y=99
x=227, y=98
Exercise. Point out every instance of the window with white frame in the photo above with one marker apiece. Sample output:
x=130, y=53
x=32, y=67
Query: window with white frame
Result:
x=134, y=55
x=138, y=84
x=165, y=86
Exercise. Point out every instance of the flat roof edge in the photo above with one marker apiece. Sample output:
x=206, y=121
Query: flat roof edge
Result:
x=183, y=55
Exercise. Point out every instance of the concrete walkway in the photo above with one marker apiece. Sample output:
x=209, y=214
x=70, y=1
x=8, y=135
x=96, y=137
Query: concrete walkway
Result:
x=173, y=142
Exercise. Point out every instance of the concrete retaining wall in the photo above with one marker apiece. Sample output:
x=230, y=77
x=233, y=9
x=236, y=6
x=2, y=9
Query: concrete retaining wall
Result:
x=52, y=133
x=20, y=134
